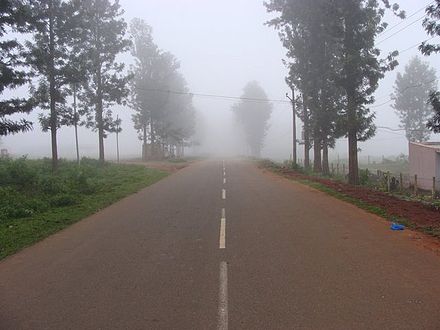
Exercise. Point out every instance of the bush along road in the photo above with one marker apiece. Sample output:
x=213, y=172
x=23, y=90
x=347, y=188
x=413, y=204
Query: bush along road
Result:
x=35, y=203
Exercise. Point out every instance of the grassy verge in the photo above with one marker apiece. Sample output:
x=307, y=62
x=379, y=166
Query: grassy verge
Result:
x=34, y=203
x=359, y=203
x=355, y=201
x=435, y=232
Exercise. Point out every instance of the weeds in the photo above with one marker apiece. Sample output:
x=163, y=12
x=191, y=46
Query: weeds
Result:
x=34, y=202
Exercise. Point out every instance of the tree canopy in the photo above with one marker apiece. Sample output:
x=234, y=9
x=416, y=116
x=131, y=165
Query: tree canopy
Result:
x=253, y=113
x=411, y=92
x=335, y=64
x=100, y=38
x=15, y=16
x=159, y=95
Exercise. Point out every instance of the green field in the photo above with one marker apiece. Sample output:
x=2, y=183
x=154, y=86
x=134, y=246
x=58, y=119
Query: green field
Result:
x=35, y=203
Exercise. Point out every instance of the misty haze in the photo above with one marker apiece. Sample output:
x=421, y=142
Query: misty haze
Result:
x=189, y=164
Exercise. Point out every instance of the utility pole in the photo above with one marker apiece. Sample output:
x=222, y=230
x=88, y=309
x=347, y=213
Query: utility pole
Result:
x=292, y=100
x=117, y=137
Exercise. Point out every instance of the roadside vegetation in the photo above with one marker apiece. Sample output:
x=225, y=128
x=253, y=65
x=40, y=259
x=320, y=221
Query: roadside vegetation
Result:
x=397, y=165
x=416, y=214
x=35, y=202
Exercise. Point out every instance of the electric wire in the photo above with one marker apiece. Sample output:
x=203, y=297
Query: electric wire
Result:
x=405, y=19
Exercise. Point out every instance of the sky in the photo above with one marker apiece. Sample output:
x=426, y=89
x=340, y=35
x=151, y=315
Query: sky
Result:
x=222, y=45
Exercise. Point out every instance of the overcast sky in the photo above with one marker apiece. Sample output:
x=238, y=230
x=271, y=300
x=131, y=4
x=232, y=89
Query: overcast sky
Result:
x=221, y=46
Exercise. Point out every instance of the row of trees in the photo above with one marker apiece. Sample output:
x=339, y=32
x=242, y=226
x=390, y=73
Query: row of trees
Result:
x=335, y=65
x=164, y=118
x=74, y=55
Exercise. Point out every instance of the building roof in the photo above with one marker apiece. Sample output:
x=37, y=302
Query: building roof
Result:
x=432, y=145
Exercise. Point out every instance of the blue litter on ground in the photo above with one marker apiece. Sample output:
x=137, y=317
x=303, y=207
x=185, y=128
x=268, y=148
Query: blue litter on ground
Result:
x=396, y=226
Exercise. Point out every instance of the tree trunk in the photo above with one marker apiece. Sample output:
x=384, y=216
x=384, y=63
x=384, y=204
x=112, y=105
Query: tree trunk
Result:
x=317, y=140
x=317, y=160
x=325, y=163
x=144, y=143
x=349, y=45
x=75, y=114
x=52, y=90
x=294, y=156
x=306, y=134
x=353, y=166
x=99, y=116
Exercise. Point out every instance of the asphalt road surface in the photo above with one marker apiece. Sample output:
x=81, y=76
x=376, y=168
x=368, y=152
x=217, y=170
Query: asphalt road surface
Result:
x=222, y=245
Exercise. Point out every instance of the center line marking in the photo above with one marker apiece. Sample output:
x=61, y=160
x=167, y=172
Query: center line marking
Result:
x=222, y=234
x=224, y=180
x=223, y=297
x=223, y=193
x=223, y=213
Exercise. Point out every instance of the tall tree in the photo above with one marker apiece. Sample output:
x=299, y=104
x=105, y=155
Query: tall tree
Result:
x=16, y=16
x=434, y=121
x=253, y=113
x=361, y=22
x=309, y=33
x=49, y=60
x=164, y=115
x=178, y=121
x=432, y=26
x=411, y=92
x=145, y=54
x=99, y=40
x=335, y=64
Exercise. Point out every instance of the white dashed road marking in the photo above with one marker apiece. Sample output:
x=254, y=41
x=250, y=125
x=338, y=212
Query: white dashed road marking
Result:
x=223, y=297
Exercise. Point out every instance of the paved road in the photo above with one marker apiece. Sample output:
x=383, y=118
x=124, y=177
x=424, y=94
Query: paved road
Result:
x=264, y=253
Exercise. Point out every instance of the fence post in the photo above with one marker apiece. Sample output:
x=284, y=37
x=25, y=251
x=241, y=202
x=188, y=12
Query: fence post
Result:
x=388, y=182
x=337, y=168
x=415, y=185
x=401, y=182
x=434, y=192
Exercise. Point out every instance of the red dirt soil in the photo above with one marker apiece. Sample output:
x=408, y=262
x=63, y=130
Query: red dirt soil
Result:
x=419, y=214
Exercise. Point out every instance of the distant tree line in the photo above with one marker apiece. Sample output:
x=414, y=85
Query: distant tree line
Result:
x=164, y=118
x=73, y=55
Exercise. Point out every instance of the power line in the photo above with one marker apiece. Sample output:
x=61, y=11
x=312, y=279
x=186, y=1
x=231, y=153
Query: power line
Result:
x=404, y=90
x=217, y=96
x=402, y=29
x=382, y=104
x=405, y=19
x=416, y=45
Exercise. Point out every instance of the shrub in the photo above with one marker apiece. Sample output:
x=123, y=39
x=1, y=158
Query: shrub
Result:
x=364, y=177
x=17, y=172
x=50, y=184
x=64, y=200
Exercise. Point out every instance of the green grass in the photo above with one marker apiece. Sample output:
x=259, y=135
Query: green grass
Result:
x=34, y=203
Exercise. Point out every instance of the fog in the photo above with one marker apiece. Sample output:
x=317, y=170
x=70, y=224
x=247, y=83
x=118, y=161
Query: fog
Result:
x=221, y=46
